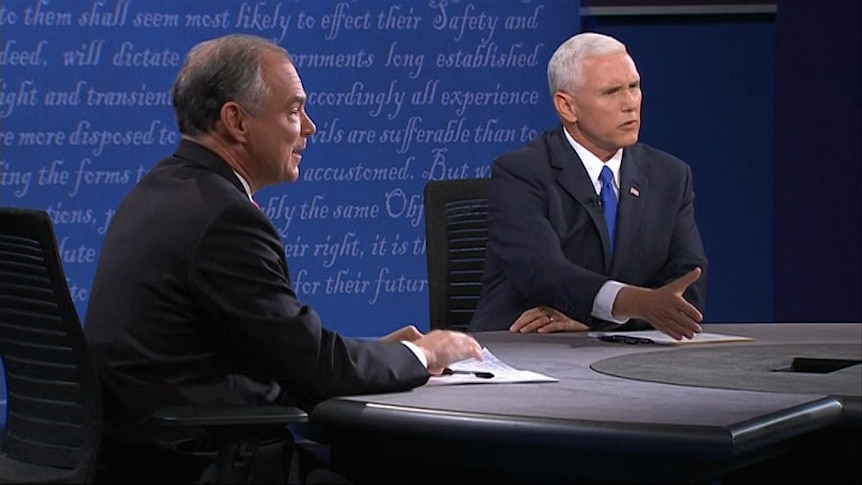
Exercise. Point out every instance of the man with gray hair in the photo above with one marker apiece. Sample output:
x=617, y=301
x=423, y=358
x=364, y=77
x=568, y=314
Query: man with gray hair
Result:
x=589, y=229
x=192, y=301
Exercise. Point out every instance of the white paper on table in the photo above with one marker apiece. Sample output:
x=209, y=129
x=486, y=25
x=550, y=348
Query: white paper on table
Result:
x=503, y=373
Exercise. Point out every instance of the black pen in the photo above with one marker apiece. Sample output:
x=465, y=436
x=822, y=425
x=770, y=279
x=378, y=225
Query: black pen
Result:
x=484, y=375
x=627, y=339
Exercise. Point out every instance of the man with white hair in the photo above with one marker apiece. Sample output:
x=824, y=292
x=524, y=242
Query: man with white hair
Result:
x=589, y=229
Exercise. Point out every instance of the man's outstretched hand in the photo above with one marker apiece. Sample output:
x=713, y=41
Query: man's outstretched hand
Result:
x=664, y=308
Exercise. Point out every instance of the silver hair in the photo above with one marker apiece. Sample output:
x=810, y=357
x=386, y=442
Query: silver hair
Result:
x=217, y=71
x=564, y=68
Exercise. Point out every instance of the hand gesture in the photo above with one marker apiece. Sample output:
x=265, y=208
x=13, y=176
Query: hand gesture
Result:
x=664, y=308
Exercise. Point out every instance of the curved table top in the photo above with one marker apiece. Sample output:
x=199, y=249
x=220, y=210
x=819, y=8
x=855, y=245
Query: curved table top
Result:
x=596, y=411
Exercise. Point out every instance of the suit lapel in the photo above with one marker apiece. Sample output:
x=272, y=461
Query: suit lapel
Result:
x=633, y=191
x=574, y=179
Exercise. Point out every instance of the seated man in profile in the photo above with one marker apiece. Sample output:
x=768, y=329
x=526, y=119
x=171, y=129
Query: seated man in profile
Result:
x=589, y=229
x=192, y=302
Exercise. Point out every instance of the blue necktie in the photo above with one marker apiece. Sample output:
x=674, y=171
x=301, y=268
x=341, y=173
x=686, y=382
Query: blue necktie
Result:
x=609, y=202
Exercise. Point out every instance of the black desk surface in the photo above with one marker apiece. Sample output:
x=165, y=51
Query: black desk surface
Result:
x=597, y=411
x=832, y=352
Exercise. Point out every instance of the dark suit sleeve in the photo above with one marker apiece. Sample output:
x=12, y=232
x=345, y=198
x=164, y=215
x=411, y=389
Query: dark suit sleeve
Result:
x=686, y=249
x=522, y=235
x=238, y=273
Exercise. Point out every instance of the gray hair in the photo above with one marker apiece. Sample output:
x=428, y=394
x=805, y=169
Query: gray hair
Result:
x=217, y=71
x=564, y=69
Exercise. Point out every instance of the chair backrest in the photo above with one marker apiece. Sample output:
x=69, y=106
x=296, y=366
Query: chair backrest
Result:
x=456, y=232
x=54, y=411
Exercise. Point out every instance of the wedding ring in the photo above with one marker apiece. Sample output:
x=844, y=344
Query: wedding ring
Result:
x=550, y=319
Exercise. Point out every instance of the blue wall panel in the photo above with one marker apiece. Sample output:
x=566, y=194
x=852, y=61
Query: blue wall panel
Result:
x=818, y=153
x=708, y=98
x=402, y=93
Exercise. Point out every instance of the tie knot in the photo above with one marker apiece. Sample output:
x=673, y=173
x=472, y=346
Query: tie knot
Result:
x=606, y=176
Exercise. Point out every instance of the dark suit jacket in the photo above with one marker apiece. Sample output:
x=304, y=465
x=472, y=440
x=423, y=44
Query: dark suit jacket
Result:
x=548, y=241
x=192, y=303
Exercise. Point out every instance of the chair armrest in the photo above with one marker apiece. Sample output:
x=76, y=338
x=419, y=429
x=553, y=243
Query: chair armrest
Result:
x=237, y=430
x=217, y=416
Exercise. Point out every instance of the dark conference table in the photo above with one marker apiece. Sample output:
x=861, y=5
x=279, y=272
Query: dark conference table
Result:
x=619, y=412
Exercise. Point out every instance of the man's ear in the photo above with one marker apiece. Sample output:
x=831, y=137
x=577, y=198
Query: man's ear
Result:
x=566, y=107
x=232, y=119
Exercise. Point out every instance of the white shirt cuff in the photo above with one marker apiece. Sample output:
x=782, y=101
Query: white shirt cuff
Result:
x=417, y=352
x=603, y=305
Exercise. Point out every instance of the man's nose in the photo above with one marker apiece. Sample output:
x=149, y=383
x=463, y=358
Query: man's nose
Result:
x=631, y=100
x=308, y=126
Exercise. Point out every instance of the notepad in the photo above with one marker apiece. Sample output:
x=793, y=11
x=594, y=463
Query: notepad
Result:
x=467, y=370
x=656, y=337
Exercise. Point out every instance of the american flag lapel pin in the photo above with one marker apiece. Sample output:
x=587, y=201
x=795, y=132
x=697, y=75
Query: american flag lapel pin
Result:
x=635, y=192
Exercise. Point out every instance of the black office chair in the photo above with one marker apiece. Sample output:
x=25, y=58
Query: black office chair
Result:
x=54, y=413
x=456, y=232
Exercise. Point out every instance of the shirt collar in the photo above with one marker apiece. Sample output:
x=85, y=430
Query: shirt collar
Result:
x=244, y=185
x=594, y=165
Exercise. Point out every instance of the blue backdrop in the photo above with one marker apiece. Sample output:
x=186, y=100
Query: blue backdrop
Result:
x=402, y=93
x=709, y=99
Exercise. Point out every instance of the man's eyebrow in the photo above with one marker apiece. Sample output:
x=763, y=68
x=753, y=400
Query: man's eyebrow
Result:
x=613, y=88
x=618, y=87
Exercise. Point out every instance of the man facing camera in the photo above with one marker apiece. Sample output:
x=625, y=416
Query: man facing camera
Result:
x=589, y=229
x=192, y=301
